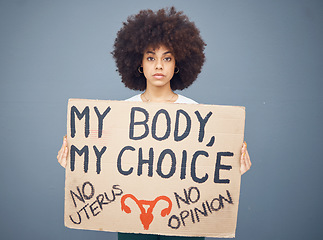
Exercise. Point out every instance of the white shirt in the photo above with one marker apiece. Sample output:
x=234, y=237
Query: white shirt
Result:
x=180, y=99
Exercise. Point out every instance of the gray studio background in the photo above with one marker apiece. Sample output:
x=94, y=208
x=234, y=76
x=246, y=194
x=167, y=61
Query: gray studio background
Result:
x=264, y=55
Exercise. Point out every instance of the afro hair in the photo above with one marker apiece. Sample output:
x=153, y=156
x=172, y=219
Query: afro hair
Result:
x=152, y=29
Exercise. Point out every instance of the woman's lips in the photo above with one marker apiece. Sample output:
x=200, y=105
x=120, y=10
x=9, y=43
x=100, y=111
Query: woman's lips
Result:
x=158, y=75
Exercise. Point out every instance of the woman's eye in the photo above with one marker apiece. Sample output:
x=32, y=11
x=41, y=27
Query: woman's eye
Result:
x=167, y=59
x=150, y=58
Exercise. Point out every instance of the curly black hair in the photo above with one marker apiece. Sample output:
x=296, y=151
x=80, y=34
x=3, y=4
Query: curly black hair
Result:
x=152, y=29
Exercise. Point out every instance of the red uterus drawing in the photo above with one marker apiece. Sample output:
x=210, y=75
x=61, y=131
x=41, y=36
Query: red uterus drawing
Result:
x=146, y=217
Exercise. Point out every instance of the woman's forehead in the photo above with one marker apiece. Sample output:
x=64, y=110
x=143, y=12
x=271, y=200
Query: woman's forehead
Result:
x=161, y=49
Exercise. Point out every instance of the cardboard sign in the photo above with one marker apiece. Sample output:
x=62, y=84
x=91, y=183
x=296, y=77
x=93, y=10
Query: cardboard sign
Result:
x=153, y=168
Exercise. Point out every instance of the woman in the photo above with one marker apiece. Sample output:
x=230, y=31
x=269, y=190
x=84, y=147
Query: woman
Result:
x=158, y=53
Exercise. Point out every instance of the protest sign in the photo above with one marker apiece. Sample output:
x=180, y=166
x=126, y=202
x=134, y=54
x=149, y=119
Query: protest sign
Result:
x=153, y=168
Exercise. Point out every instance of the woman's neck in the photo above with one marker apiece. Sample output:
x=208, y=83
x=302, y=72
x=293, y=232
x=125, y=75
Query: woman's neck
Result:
x=159, y=94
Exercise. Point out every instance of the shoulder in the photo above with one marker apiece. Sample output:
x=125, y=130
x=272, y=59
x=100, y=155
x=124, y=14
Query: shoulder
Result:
x=135, y=98
x=182, y=99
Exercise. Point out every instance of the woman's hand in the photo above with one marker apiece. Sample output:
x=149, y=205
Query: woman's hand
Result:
x=245, y=162
x=62, y=153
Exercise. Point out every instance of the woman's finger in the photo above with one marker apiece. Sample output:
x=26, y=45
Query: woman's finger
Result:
x=64, y=157
x=245, y=159
x=62, y=153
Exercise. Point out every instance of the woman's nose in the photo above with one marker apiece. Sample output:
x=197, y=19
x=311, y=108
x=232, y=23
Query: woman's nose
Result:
x=159, y=64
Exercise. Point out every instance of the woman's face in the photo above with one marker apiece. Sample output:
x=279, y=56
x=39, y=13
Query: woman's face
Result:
x=158, y=66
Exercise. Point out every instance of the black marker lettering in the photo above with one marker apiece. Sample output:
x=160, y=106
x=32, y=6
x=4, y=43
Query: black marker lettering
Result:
x=203, y=122
x=86, y=113
x=79, y=196
x=154, y=125
x=100, y=119
x=88, y=197
x=183, y=166
x=83, y=208
x=133, y=123
x=113, y=198
x=98, y=158
x=118, y=191
x=178, y=138
x=93, y=209
x=174, y=217
x=197, y=194
x=219, y=166
x=160, y=161
x=142, y=161
x=204, y=212
x=79, y=221
x=184, y=214
x=85, y=151
x=193, y=167
x=100, y=200
x=192, y=216
x=119, y=161
x=186, y=200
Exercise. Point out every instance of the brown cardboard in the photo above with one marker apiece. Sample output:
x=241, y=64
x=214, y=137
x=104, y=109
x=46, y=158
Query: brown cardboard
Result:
x=180, y=193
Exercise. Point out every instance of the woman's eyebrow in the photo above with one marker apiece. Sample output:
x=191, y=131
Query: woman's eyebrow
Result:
x=150, y=52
